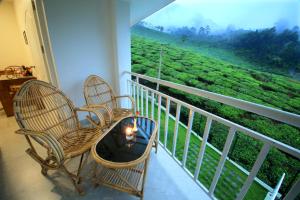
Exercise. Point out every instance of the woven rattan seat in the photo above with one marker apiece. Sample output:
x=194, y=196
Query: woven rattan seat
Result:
x=45, y=115
x=98, y=92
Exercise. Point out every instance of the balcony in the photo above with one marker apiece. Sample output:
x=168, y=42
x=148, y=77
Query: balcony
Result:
x=186, y=166
x=21, y=178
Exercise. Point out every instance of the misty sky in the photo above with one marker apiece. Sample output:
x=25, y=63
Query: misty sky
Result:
x=247, y=14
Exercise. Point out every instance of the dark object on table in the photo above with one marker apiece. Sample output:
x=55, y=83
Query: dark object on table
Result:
x=27, y=71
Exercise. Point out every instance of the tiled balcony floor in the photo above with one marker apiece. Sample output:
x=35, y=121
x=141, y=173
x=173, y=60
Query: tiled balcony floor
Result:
x=20, y=177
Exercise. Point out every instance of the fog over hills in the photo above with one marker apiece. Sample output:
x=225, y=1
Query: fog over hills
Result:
x=221, y=15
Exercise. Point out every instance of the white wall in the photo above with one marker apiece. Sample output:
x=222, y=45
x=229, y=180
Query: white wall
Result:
x=12, y=45
x=82, y=43
x=93, y=37
x=26, y=21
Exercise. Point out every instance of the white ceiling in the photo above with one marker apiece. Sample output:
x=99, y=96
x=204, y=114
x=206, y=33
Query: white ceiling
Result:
x=140, y=9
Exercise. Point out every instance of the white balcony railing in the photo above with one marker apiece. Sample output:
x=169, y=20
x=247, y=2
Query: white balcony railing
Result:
x=153, y=98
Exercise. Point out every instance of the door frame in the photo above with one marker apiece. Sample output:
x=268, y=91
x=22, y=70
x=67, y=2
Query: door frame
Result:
x=44, y=37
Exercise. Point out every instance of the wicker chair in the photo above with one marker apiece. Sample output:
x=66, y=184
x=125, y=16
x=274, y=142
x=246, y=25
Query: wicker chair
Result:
x=46, y=116
x=98, y=92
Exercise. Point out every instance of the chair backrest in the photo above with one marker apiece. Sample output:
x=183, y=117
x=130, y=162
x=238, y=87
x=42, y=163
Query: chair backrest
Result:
x=39, y=106
x=98, y=91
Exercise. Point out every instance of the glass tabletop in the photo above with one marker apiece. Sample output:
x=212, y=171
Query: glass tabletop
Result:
x=127, y=140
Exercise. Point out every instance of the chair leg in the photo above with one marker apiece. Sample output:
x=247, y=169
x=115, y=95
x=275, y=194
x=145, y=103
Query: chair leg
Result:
x=145, y=175
x=78, y=179
x=94, y=177
x=74, y=180
x=156, y=145
x=44, y=168
x=44, y=171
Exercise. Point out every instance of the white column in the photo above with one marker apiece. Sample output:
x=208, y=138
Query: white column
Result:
x=122, y=42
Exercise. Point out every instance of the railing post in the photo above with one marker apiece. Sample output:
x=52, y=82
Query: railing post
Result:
x=147, y=98
x=167, y=122
x=134, y=95
x=259, y=161
x=142, y=100
x=203, y=145
x=176, y=128
x=222, y=160
x=276, y=189
x=152, y=106
x=187, y=138
x=138, y=97
x=158, y=117
x=128, y=91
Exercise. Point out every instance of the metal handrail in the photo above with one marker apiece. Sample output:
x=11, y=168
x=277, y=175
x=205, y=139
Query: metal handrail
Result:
x=138, y=90
x=272, y=113
x=256, y=135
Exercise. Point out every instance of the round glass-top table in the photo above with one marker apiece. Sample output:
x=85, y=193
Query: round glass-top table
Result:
x=123, y=153
x=126, y=142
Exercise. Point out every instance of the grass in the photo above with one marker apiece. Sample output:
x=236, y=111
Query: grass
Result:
x=208, y=48
x=232, y=178
x=193, y=68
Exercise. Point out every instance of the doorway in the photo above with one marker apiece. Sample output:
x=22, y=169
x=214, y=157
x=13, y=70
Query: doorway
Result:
x=21, y=45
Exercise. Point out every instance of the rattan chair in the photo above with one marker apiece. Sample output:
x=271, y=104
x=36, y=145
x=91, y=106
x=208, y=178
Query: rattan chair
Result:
x=98, y=92
x=45, y=115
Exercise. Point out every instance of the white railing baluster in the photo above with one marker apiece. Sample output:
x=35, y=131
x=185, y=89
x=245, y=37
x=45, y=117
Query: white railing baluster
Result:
x=130, y=88
x=158, y=116
x=167, y=122
x=147, y=98
x=138, y=97
x=178, y=108
x=276, y=189
x=259, y=161
x=187, y=138
x=222, y=160
x=152, y=105
x=142, y=101
x=202, y=149
x=128, y=92
x=134, y=95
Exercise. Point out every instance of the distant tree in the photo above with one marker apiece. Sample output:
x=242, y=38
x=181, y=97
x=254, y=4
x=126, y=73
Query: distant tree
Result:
x=207, y=30
x=188, y=31
x=184, y=38
x=296, y=29
x=271, y=48
x=201, y=31
x=160, y=28
x=193, y=31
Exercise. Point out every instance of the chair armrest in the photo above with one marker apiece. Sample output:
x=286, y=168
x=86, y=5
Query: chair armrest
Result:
x=45, y=138
x=93, y=109
x=130, y=98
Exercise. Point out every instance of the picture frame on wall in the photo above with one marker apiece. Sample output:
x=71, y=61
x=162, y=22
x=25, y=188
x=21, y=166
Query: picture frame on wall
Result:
x=25, y=37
